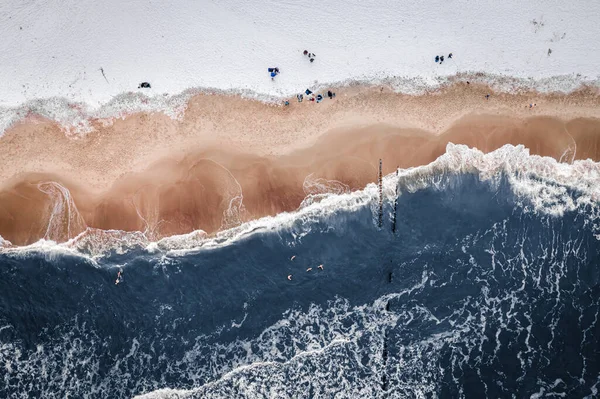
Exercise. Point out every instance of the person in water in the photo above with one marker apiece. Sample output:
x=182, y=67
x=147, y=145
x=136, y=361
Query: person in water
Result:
x=119, y=277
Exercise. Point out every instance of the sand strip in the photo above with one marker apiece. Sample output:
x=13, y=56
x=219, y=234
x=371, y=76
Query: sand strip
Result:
x=231, y=159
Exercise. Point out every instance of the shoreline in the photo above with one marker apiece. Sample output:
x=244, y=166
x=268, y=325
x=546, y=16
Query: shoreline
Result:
x=148, y=172
x=74, y=115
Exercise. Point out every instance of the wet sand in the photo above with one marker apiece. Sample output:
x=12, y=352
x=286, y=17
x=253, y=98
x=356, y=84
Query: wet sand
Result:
x=230, y=159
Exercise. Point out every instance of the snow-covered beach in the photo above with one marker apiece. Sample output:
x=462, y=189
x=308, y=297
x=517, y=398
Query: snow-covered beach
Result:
x=69, y=60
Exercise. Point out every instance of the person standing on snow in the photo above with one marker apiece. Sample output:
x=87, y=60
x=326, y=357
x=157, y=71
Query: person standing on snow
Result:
x=274, y=72
x=311, y=56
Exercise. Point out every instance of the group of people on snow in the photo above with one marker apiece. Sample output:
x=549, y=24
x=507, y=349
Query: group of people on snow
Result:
x=440, y=58
x=274, y=71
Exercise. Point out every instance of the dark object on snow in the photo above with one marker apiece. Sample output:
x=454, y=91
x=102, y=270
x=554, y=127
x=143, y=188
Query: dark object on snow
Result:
x=299, y=97
x=450, y=55
x=308, y=92
x=102, y=70
x=144, y=85
x=437, y=58
x=441, y=59
x=274, y=72
x=319, y=98
x=311, y=56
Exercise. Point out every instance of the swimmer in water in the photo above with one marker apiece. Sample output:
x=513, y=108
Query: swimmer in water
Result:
x=119, y=277
x=290, y=277
x=293, y=257
x=321, y=267
x=309, y=269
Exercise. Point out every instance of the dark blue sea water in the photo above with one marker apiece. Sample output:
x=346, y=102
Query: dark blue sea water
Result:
x=476, y=294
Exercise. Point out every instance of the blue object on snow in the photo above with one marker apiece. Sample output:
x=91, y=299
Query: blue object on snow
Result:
x=273, y=74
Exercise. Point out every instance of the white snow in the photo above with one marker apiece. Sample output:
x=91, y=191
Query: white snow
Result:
x=55, y=48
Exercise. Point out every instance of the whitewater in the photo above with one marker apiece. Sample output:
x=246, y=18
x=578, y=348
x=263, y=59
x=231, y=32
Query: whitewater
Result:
x=486, y=286
x=72, y=61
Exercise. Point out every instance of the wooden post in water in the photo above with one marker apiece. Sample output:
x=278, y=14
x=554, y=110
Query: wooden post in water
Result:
x=384, y=378
x=380, y=195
